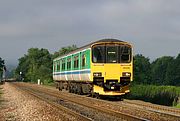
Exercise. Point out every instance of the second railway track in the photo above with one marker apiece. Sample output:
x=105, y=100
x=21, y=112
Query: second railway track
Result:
x=155, y=107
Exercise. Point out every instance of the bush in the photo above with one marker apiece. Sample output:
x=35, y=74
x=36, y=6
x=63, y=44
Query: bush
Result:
x=48, y=82
x=178, y=105
x=163, y=95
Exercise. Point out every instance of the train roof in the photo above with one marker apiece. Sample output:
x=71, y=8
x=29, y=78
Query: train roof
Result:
x=103, y=40
x=89, y=45
x=108, y=40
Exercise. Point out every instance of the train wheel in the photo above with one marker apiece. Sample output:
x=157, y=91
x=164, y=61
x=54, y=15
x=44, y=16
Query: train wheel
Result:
x=73, y=88
x=70, y=88
x=60, y=86
x=79, y=89
x=95, y=95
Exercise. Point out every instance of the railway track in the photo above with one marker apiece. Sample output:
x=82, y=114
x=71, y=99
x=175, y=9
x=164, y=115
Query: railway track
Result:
x=154, y=107
x=75, y=115
x=115, y=114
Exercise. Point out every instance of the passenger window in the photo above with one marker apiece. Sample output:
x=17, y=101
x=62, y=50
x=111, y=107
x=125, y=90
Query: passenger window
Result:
x=58, y=65
x=69, y=63
x=76, y=62
x=63, y=65
x=83, y=60
x=54, y=66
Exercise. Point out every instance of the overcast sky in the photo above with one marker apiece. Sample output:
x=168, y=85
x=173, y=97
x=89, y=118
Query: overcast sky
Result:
x=152, y=26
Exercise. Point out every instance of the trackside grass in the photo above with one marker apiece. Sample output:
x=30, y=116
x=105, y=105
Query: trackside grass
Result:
x=178, y=106
x=163, y=95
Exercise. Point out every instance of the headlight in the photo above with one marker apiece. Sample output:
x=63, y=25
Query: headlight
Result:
x=97, y=74
x=126, y=74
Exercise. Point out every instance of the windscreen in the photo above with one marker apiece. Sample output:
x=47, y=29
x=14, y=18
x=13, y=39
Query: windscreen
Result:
x=111, y=53
x=98, y=54
x=125, y=54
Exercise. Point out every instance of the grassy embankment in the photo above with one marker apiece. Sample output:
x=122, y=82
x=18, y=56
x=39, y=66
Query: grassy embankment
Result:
x=163, y=95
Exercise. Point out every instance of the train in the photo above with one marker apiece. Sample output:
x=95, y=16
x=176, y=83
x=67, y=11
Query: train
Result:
x=103, y=67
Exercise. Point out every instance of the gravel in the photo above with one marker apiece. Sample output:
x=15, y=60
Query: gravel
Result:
x=20, y=106
x=1, y=113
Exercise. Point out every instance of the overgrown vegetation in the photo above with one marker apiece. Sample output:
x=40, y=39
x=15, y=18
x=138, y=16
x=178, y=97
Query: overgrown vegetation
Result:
x=164, y=95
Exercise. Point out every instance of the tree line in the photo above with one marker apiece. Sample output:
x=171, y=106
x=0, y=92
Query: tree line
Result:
x=37, y=64
x=162, y=71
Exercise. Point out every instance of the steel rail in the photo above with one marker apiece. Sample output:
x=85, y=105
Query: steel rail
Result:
x=160, y=109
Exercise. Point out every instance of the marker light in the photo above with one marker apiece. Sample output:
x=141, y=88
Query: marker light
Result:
x=126, y=74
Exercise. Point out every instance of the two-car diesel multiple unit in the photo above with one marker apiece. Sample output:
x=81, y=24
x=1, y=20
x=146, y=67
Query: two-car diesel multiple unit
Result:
x=104, y=67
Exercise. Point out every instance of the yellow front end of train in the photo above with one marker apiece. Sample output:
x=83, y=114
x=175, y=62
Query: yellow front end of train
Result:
x=111, y=67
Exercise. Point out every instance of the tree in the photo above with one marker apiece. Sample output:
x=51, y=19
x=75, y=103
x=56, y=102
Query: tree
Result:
x=64, y=50
x=173, y=72
x=23, y=67
x=142, y=69
x=2, y=66
x=159, y=69
x=37, y=64
x=44, y=73
x=31, y=65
